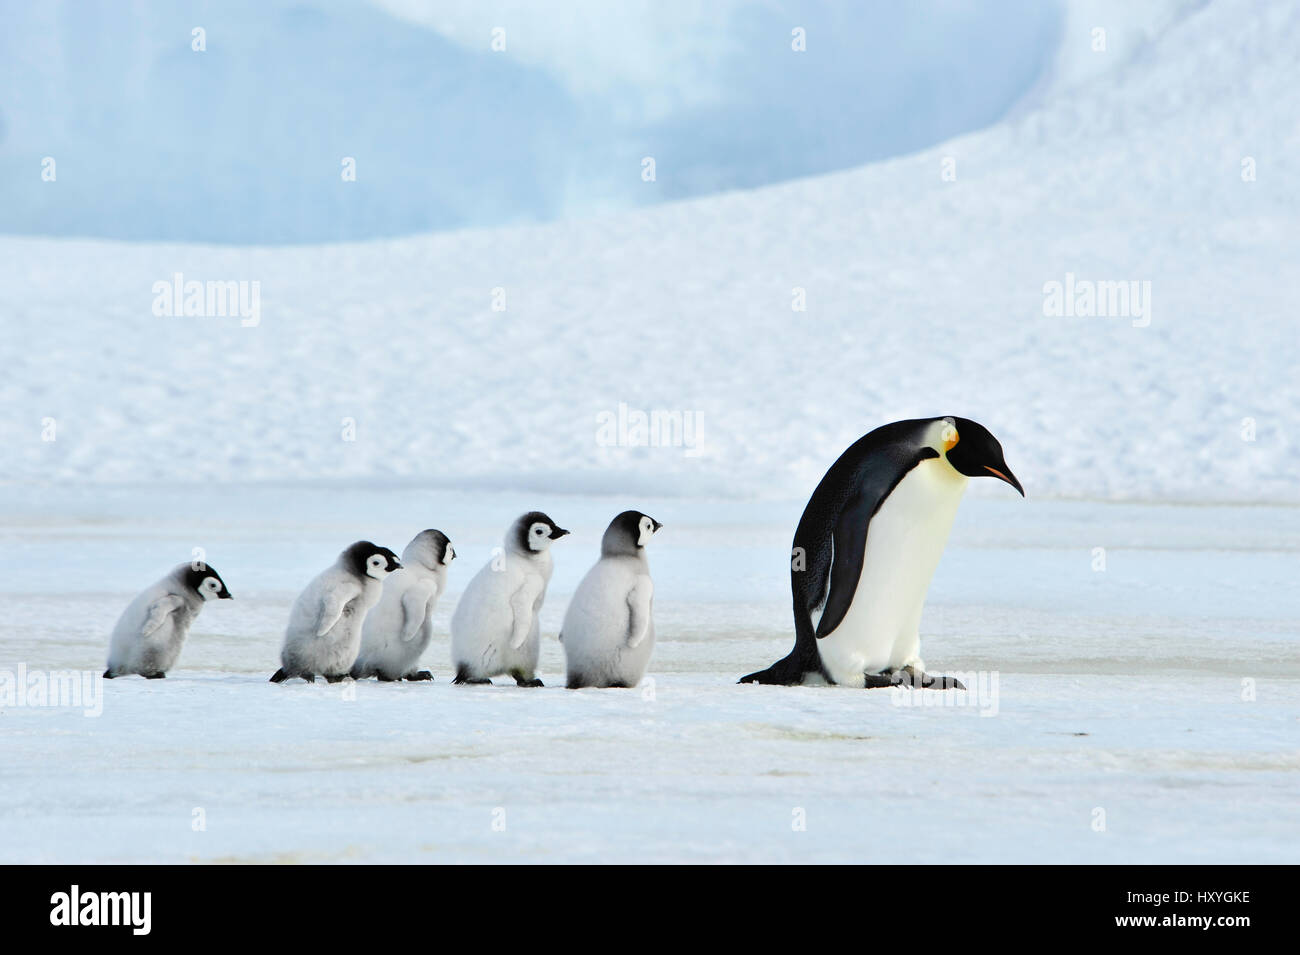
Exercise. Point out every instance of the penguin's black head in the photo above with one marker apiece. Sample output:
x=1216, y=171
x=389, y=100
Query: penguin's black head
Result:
x=206, y=582
x=973, y=451
x=431, y=548
x=370, y=560
x=628, y=533
x=534, y=532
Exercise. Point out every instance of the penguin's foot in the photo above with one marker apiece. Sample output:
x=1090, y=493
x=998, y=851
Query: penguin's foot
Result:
x=521, y=680
x=419, y=676
x=464, y=679
x=281, y=675
x=910, y=676
x=154, y=676
x=334, y=677
x=385, y=679
x=108, y=674
x=784, y=672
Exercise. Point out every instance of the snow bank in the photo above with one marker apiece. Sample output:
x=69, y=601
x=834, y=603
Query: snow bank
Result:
x=521, y=357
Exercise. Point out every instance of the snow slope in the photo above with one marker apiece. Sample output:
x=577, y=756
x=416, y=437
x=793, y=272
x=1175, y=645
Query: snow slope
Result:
x=924, y=296
x=242, y=141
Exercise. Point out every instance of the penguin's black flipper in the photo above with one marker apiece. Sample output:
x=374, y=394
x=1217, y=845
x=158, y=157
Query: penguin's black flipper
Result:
x=279, y=676
x=846, y=571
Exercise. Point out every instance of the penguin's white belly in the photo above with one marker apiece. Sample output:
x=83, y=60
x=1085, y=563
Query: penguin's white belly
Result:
x=334, y=651
x=383, y=649
x=132, y=652
x=597, y=625
x=905, y=540
x=483, y=622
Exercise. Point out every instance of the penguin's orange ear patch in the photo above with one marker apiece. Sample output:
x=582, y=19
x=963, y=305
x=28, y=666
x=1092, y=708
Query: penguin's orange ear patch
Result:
x=950, y=438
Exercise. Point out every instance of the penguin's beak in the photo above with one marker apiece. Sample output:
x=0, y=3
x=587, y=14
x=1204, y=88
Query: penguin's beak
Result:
x=1006, y=476
x=657, y=525
x=557, y=533
x=227, y=596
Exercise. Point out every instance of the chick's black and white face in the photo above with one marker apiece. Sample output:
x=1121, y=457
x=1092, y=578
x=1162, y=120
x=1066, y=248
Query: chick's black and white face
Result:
x=534, y=532
x=539, y=536
x=210, y=588
x=647, y=528
x=379, y=566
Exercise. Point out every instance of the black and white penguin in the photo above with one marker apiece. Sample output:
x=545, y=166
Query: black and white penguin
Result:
x=151, y=631
x=868, y=544
x=608, y=633
x=324, y=632
x=398, y=628
x=495, y=628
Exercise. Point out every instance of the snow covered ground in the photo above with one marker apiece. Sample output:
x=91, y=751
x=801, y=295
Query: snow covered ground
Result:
x=1147, y=711
x=1120, y=690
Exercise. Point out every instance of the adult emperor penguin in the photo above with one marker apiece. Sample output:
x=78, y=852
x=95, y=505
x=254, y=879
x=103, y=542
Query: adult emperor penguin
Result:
x=868, y=544
x=151, y=631
x=495, y=628
x=608, y=634
x=324, y=632
x=398, y=628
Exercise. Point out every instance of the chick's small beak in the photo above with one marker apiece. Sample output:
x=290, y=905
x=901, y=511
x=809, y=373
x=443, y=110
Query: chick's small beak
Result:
x=558, y=533
x=1006, y=476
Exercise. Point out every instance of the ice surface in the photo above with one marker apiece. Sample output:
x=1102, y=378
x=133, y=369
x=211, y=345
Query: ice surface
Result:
x=1120, y=690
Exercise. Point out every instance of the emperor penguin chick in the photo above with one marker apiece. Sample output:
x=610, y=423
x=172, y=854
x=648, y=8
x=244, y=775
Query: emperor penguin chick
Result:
x=151, y=631
x=495, y=627
x=397, y=630
x=324, y=632
x=608, y=631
